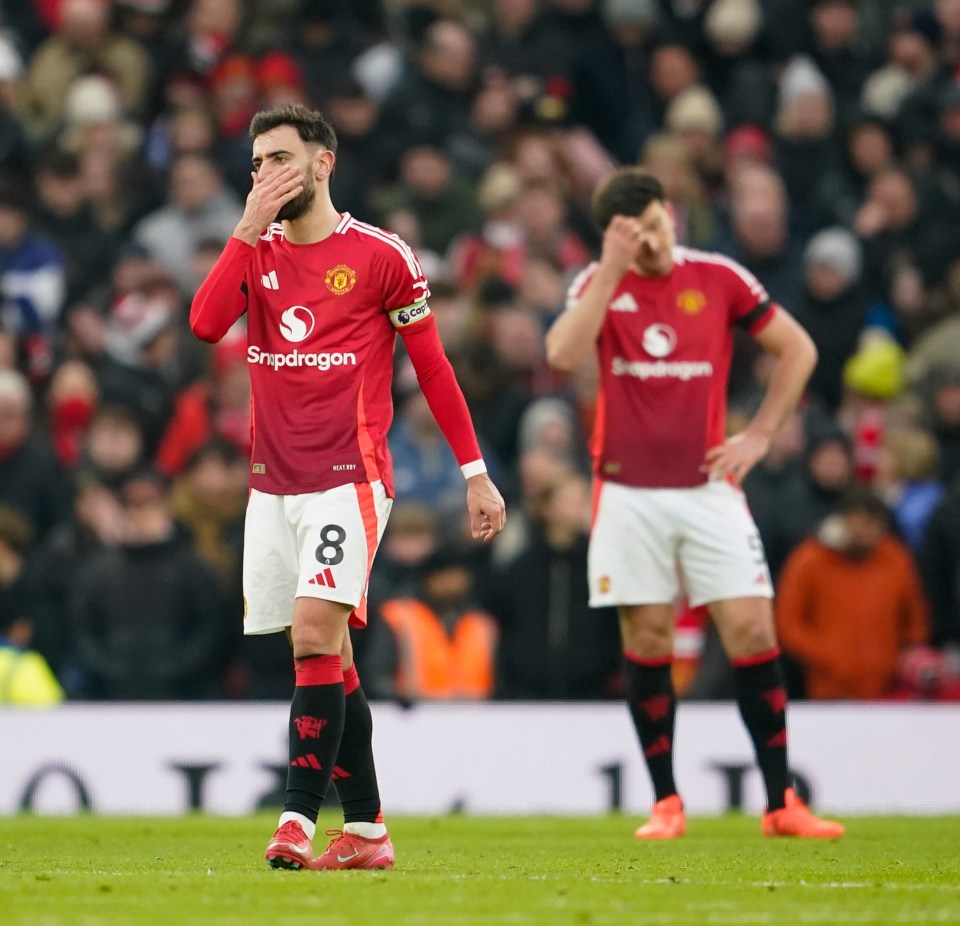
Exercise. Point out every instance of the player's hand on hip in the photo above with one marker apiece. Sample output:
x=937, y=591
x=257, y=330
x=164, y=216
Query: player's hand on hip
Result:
x=620, y=243
x=736, y=456
x=485, y=504
x=265, y=198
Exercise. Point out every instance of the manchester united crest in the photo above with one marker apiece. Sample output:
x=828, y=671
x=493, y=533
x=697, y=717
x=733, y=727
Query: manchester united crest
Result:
x=691, y=301
x=340, y=279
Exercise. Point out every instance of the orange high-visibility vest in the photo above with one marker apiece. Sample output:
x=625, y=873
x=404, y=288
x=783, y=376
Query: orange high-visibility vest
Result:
x=433, y=664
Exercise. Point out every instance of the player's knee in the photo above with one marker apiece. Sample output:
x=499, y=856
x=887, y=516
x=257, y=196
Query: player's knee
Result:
x=318, y=629
x=308, y=642
x=647, y=639
x=755, y=634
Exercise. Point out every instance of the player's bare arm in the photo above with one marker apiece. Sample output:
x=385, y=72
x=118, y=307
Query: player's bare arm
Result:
x=796, y=357
x=573, y=334
x=488, y=515
x=265, y=198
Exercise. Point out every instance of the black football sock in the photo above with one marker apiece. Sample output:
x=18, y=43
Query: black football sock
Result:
x=762, y=698
x=316, y=726
x=355, y=776
x=653, y=707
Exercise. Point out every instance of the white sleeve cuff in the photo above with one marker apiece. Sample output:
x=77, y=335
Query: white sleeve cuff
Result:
x=473, y=469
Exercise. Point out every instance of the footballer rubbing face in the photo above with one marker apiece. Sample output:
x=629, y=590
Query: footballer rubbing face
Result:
x=300, y=204
x=281, y=146
x=654, y=255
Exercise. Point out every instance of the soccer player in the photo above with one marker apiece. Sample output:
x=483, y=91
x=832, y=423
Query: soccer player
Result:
x=667, y=493
x=325, y=296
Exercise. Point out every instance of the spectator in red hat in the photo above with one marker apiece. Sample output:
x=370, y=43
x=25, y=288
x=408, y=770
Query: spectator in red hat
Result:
x=233, y=90
x=748, y=144
x=280, y=80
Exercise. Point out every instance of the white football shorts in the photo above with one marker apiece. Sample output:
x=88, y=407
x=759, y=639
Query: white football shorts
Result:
x=317, y=545
x=644, y=542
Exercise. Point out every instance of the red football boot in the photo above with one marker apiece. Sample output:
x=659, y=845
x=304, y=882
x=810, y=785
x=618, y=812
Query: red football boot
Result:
x=290, y=847
x=347, y=850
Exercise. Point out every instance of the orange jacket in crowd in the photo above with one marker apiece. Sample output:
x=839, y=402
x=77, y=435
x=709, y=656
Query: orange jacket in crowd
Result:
x=434, y=664
x=847, y=621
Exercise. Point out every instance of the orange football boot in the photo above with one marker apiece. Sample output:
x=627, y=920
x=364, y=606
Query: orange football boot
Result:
x=796, y=819
x=667, y=821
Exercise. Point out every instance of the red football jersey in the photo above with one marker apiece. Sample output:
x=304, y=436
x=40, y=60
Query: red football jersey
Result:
x=664, y=351
x=322, y=320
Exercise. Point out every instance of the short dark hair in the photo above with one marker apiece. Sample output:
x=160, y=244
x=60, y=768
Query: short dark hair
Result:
x=15, y=530
x=64, y=165
x=864, y=500
x=214, y=449
x=15, y=197
x=311, y=126
x=627, y=191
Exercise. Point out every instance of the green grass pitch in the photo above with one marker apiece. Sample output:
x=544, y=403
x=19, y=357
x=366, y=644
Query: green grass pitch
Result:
x=463, y=871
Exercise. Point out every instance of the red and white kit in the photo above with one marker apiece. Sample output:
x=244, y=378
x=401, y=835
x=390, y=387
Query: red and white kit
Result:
x=664, y=351
x=322, y=321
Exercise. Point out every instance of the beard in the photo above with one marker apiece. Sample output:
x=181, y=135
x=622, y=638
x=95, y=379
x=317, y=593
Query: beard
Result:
x=300, y=205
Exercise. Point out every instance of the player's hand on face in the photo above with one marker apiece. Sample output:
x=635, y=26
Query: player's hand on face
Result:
x=485, y=504
x=620, y=243
x=736, y=456
x=268, y=194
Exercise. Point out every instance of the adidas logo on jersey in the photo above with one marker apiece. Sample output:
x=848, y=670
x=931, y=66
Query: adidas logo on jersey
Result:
x=624, y=303
x=269, y=280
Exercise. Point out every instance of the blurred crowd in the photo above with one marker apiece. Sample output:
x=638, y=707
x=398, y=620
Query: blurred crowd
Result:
x=815, y=141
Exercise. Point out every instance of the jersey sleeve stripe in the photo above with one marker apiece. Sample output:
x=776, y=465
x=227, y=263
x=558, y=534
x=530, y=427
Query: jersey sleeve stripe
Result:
x=575, y=290
x=402, y=249
x=345, y=220
x=745, y=275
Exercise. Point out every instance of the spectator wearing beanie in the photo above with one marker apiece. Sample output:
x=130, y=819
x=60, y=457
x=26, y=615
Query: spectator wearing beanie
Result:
x=805, y=124
x=832, y=307
x=743, y=86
